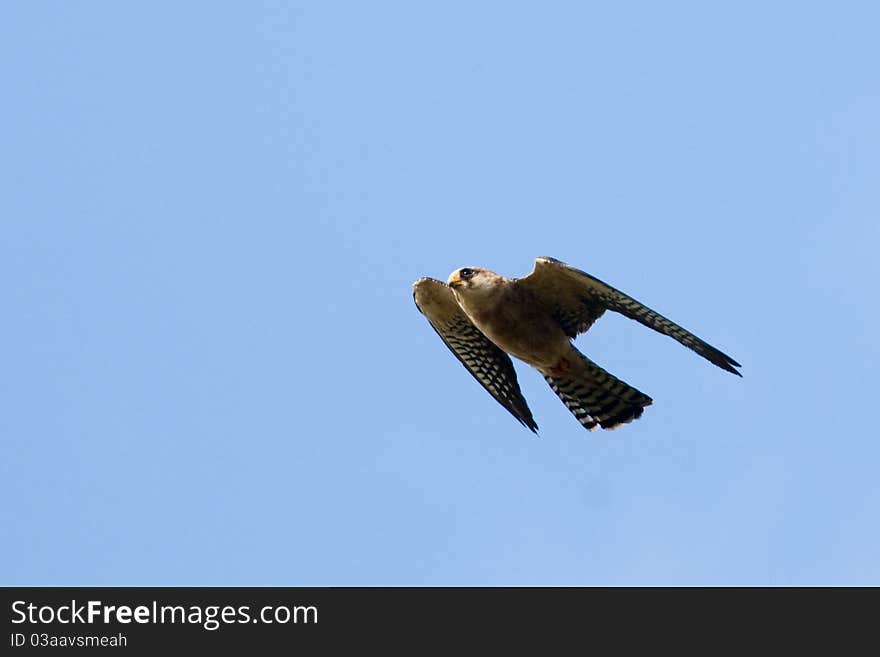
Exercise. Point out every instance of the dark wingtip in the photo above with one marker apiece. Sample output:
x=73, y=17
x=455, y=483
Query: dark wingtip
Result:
x=730, y=365
x=722, y=360
x=528, y=422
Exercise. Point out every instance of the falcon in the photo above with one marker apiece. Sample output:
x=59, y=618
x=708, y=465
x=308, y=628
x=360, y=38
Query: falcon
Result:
x=485, y=318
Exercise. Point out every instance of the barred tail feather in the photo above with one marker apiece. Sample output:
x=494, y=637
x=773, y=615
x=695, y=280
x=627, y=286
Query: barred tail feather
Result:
x=595, y=397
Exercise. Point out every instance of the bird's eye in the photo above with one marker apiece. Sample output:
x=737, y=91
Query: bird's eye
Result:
x=466, y=273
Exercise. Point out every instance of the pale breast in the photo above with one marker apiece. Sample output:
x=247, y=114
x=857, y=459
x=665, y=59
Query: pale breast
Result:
x=521, y=327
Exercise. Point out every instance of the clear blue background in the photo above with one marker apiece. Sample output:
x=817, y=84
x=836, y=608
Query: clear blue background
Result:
x=212, y=213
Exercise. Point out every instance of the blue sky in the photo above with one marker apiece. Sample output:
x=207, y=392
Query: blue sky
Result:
x=212, y=214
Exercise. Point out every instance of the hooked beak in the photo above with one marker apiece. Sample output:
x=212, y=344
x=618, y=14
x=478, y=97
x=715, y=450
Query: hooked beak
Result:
x=454, y=280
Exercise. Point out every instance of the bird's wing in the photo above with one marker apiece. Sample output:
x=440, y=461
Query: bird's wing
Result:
x=577, y=299
x=483, y=359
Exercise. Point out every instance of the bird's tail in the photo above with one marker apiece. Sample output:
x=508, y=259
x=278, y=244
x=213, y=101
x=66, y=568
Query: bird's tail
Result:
x=595, y=397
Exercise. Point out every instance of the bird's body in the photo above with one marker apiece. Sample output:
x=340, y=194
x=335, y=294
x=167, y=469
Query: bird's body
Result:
x=499, y=311
x=482, y=317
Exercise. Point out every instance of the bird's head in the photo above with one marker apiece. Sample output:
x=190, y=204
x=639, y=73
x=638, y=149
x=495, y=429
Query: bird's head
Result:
x=473, y=281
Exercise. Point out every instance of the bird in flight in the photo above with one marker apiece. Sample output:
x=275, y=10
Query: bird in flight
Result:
x=482, y=317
